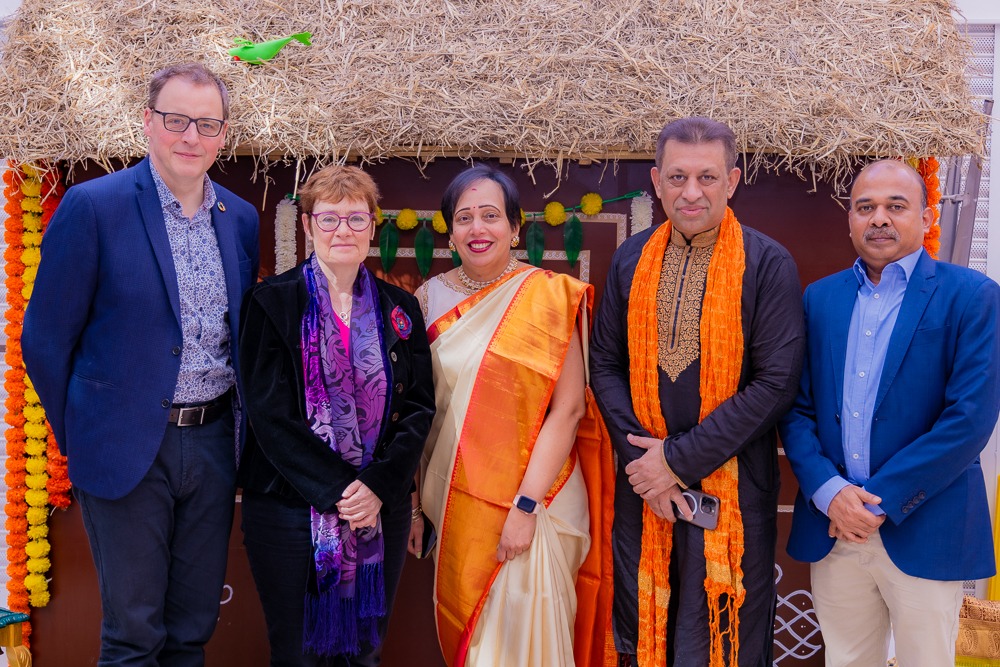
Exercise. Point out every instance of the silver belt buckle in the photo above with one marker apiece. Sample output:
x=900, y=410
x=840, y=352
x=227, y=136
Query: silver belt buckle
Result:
x=197, y=414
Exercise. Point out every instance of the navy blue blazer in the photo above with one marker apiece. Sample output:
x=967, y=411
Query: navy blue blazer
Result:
x=102, y=333
x=935, y=410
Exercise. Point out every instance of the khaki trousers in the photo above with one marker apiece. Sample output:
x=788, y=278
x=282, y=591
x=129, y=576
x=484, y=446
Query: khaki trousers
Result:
x=860, y=596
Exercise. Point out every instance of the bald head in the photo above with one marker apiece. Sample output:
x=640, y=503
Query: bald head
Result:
x=890, y=165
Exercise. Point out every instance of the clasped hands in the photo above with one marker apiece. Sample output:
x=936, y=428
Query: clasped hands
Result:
x=849, y=518
x=359, y=505
x=653, y=482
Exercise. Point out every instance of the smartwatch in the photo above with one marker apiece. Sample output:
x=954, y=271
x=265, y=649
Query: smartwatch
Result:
x=526, y=504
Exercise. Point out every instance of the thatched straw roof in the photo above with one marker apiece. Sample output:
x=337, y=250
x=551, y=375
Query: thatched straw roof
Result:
x=812, y=83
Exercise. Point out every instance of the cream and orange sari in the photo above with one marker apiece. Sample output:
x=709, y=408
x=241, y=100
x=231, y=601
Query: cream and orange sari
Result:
x=497, y=356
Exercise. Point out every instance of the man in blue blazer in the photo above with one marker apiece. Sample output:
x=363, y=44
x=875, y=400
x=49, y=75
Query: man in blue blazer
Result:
x=129, y=340
x=899, y=395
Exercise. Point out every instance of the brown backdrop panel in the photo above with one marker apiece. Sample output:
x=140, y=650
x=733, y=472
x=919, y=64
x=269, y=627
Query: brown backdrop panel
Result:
x=811, y=225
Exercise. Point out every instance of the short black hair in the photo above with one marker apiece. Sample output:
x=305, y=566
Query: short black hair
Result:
x=697, y=130
x=465, y=180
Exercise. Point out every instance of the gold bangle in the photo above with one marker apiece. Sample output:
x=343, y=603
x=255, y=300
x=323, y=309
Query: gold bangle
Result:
x=416, y=513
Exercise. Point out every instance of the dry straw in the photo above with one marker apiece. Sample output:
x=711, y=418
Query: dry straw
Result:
x=810, y=84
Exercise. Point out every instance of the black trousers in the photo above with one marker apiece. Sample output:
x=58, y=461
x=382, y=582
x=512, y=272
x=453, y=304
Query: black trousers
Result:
x=277, y=536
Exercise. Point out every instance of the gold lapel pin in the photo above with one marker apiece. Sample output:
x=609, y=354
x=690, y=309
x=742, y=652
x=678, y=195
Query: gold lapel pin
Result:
x=222, y=207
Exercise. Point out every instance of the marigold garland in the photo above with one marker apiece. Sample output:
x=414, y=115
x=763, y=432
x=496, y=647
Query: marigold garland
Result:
x=36, y=472
x=555, y=213
x=928, y=168
x=438, y=223
x=407, y=219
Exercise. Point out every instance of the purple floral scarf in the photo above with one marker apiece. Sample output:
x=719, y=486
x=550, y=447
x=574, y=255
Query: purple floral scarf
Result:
x=345, y=402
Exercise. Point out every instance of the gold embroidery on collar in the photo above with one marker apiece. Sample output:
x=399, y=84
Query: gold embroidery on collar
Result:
x=678, y=300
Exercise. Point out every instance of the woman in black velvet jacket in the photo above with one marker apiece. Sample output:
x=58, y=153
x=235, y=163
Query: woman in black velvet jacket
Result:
x=292, y=478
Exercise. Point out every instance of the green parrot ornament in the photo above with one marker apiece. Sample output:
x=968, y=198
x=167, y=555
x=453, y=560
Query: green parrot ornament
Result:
x=248, y=52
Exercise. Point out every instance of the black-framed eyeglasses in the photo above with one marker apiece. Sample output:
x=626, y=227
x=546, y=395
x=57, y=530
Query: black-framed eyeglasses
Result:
x=178, y=122
x=329, y=221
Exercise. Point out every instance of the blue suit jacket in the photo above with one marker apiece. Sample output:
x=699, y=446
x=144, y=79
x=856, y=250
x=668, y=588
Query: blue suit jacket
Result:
x=102, y=334
x=935, y=409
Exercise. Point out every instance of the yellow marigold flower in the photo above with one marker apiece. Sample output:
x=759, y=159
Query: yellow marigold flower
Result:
x=35, y=446
x=30, y=395
x=40, y=599
x=35, y=581
x=31, y=204
x=29, y=275
x=36, y=481
x=555, y=214
x=31, y=239
x=36, y=498
x=34, y=413
x=27, y=290
x=36, y=431
x=32, y=222
x=437, y=222
x=378, y=216
x=39, y=565
x=591, y=204
x=407, y=219
x=28, y=383
x=31, y=187
x=39, y=532
x=34, y=465
x=37, y=516
x=524, y=217
x=37, y=549
x=31, y=256
x=29, y=171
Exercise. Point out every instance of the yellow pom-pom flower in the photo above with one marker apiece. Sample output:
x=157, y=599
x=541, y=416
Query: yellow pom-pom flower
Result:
x=30, y=395
x=37, y=548
x=524, y=217
x=36, y=481
x=39, y=565
x=34, y=465
x=437, y=222
x=555, y=213
x=37, y=431
x=407, y=219
x=37, y=516
x=32, y=222
x=34, y=581
x=36, y=498
x=31, y=187
x=591, y=203
x=34, y=413
x=39, y=532
x=32, y=205
x=36, y=446
x=378, y=216
x=40, y=599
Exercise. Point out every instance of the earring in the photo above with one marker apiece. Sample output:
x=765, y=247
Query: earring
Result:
x=451, y=246
x=514, y=241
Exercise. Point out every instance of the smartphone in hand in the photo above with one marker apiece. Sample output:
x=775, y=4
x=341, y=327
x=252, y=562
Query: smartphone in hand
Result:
x=703, y=506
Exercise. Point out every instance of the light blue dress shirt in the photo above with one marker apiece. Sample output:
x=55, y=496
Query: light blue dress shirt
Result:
x=875, y=310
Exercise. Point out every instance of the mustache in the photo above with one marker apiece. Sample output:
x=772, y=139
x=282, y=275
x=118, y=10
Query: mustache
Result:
x=880, y=233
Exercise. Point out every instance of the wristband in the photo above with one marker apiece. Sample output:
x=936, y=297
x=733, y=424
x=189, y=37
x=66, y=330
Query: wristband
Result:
x=526, y=504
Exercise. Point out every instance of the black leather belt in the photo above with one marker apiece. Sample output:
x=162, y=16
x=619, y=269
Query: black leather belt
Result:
x=196, y=414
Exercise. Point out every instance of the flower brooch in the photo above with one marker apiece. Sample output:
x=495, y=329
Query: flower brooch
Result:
x=401, y=322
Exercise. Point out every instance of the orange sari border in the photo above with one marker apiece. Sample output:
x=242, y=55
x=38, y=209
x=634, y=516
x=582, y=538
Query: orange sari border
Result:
x=721, y=337
x=444, y=322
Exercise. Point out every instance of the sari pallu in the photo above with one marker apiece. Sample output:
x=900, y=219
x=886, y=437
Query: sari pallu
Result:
x=497, y=356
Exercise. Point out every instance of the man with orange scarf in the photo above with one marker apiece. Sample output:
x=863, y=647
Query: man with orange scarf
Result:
x=696, y=354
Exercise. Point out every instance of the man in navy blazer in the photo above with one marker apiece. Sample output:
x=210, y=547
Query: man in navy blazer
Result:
x=129, y=340
x=898, y=397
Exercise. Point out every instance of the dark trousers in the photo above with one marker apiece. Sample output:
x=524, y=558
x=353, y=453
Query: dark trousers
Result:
x=277, y=536
x=161, y=551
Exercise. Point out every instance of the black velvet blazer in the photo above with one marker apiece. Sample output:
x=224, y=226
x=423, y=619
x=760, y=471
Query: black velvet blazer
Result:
x=282, y=455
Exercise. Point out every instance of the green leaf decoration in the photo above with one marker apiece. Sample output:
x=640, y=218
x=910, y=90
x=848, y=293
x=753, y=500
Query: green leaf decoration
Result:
x=388, y=243
x=536, y=244
x=573, y=239
x=423, y=248
x=456, y=259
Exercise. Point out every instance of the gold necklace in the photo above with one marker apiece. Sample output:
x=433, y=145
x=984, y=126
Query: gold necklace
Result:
x=476, y=285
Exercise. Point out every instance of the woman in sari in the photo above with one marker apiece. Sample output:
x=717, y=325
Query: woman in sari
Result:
x=337, y=377
x=511, y=479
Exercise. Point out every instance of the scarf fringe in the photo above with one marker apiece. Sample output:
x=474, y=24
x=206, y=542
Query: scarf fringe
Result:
x=341, y=626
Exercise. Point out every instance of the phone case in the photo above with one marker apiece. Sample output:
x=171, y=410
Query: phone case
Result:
x=705, y=507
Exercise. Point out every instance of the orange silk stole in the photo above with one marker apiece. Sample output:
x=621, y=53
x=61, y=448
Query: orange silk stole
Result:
x=721, y=362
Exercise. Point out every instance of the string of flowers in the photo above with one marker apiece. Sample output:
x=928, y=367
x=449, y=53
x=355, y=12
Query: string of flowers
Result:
x=928, y=168
x=285, y=227
x=36, y=471
x=554, y=214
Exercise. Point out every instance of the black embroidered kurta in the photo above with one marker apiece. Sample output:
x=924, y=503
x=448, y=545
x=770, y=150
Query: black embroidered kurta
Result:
x=742, y=426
